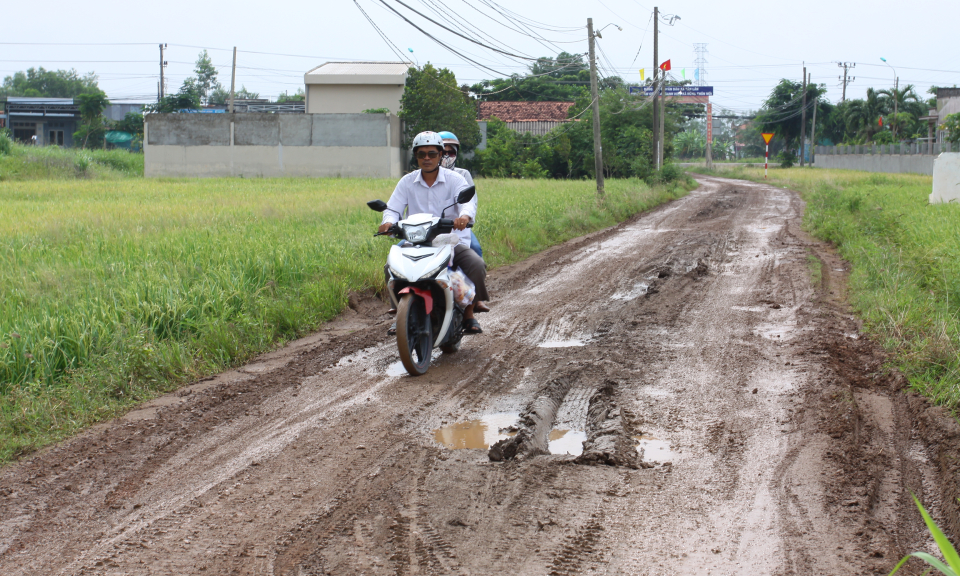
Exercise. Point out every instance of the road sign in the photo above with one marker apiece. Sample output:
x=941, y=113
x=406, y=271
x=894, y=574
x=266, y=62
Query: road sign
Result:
x=767, y=137
x=675, y=90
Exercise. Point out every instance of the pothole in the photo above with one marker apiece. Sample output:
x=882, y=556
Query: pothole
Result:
x=477, y=434
x=567, y=442
x=653, y=449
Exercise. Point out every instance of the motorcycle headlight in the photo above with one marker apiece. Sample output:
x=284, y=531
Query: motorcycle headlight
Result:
x=398, y=275
x=416, y=234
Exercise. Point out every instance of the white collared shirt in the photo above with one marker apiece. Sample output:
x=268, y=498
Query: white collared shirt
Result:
x=413, y=195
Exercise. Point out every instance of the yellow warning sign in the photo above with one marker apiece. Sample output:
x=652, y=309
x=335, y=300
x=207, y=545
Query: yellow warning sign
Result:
x=767, y=136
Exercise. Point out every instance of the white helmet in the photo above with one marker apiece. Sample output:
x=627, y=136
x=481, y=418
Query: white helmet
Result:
x=427, y=139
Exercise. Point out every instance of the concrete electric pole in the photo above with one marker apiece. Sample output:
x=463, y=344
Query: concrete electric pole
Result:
x=594, y=91
x=803, y=115
x=163, y=64
x=656, y=75
x=846, y=79
x=233, y=78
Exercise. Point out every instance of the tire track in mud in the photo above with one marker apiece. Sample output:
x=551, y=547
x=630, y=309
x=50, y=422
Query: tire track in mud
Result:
x=694, y=326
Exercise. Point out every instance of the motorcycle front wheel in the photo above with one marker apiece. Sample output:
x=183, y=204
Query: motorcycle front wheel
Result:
x=414, y=334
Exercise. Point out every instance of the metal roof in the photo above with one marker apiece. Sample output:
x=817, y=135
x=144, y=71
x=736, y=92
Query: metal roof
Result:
x=30, y=100
x=358, y=73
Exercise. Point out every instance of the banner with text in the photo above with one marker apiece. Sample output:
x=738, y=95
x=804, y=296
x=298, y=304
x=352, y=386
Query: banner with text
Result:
x=674, y=90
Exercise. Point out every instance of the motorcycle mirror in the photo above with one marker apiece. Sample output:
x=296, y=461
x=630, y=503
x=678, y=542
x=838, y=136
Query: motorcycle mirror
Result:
x=378, y=205
x=465, y=195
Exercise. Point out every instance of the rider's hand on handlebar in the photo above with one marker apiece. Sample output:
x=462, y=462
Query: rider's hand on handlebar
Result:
x=384, y=228
x=461, y=222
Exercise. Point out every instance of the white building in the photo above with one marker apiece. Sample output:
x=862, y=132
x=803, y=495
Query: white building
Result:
x=351, y=87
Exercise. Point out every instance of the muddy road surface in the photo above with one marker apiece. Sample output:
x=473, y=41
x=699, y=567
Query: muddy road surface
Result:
x=682, y=394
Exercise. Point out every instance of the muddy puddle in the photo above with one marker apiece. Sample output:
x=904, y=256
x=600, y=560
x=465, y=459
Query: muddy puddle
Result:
x=483, y=432
x=638, y=290
x=653, y=449
x=571, y=343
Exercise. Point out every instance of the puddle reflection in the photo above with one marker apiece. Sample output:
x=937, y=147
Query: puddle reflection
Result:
x=562, y=343
x=567, y=442
x=476, y=434
x=654, y=449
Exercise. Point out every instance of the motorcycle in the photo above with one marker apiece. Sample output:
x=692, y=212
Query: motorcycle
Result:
x=419, y=276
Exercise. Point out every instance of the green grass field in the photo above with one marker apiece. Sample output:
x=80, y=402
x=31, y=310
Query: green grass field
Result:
x=905, y=257
x=50, y=162
x=116, y=290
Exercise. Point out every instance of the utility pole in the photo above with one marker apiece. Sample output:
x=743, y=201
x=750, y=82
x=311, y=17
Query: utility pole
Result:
x=845, y=80
x=163, y=64
x=656, y=74
x=803, y=115
x=233, y=78
x=813, y=131
x=896, y=97
x=597, y=145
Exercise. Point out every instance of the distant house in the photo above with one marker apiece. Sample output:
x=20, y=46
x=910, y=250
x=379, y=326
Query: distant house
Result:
x=537, y=118
x=43, y=121
x=948, y=102
x=351, y=87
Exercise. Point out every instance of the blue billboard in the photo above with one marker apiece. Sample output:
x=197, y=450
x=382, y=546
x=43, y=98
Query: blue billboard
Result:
x=674, y=90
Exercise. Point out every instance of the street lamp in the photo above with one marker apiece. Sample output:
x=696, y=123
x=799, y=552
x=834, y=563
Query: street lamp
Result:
x=597, y=33
x=896, y=95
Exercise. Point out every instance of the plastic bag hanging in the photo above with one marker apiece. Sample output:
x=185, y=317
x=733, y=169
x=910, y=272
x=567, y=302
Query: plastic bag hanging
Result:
x=464, y=291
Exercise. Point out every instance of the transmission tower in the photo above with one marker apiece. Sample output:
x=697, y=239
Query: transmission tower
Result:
x=700, y=77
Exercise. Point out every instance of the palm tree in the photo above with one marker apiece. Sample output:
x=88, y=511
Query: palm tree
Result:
x=897, y=101
x=863, y=116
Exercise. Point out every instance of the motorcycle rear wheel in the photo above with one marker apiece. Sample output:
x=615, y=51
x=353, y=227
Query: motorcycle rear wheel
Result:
x=414, y=334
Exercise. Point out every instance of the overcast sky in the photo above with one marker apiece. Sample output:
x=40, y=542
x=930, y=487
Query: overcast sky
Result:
x=751, y=45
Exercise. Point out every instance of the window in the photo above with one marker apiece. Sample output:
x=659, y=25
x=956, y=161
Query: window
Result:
x=56, y=137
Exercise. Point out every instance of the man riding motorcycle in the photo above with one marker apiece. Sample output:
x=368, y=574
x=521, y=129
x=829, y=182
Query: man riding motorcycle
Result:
x=430, y=190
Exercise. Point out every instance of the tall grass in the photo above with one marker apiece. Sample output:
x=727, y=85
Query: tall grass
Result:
x=905, y=257
x=21, y=162
x=113, y=291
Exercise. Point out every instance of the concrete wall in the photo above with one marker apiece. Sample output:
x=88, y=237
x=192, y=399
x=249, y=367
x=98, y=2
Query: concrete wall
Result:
x=272, y=145
x=352, y=98
x=890, y=163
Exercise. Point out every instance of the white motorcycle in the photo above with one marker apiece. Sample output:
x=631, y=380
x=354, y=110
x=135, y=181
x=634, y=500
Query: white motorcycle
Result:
x=420, y=287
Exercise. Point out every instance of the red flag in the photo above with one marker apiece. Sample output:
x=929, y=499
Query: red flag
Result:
x=881, y=121
x=665, y=66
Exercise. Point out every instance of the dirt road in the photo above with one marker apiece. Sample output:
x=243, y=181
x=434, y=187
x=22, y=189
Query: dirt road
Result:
x=675, y=395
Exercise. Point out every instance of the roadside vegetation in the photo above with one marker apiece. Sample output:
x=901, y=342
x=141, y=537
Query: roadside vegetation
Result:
x=114, y=291
x=905, y=257
x=19, y=162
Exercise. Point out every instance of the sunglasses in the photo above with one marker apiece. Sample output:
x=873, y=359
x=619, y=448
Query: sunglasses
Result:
x=424, y=154
x=450, y=153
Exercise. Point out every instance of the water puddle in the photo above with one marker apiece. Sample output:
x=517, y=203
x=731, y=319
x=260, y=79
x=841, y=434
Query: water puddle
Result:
x=568, y=442
x=396, y=369
x=489, y=429
x=477, y=434
x=654, y=449
x=573, y=342
x=637, y=291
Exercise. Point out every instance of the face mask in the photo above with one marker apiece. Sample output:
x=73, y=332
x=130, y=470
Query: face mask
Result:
x=448, y=162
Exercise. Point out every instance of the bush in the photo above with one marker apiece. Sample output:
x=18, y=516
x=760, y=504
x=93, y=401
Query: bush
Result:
x=6, y=143
x=667, y=174
x=81, y=163
x=786, y=159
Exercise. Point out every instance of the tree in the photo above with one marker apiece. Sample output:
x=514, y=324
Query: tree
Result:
x=863, y=116
x=951, y=123
x=132, y=123
x=49, y=83
x=186, y=99
x=91, y=115
x=298, y=97
x=907, y=102
x=559, y=79
x=432, y=101
x=782, y=112
x=221, y=96
x=206, y=76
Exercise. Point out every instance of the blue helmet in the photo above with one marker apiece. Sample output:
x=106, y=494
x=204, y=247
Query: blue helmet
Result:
x=450, y=138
